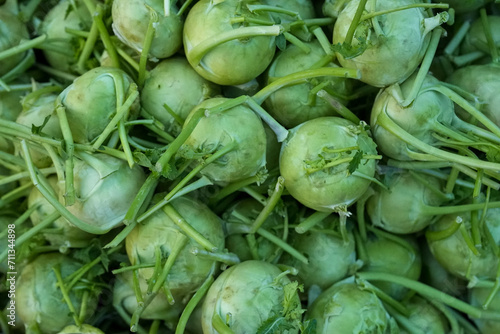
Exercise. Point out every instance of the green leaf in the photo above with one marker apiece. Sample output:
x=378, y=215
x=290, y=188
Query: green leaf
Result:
x=281, y=42
x=309, y=327
x=273, y=325
x=356, y=160
x=37, y=130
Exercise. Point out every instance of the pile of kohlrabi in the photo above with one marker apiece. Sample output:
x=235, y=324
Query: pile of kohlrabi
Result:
x=249, y=166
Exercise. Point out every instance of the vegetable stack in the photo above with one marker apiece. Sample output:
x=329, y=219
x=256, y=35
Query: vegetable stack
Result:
x=249, y=166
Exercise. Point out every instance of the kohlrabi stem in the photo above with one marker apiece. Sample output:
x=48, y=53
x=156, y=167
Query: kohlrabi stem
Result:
x=15, y=194
x=311, y=221
x=475, y=228
x=65, y=294
x=387, y=123
x=69, y=148
x=162, y=163
x=103, y=32
x=129, y=268
x=219, y=325
x=380, y=234
x=153, y=329
x=424, y=67
x=256, y=195
x=282, y=244
x=489, y=124
x=223, y=257
x=124, y=139
x=387, y=299
x=23, y=46
x=489, y=36
x=468, y=240
x=457, y=39
x=191, y=232
x=194, y=301
x=235, y=186
x=431, y=186
x=174, y=115
x=302, y=77
x=355, y=21
x=88, y=48
x=431, y=292
x=323, y=40
x=392, y=10
x=270, y=205
x=297, y=42
x=199, y=51
x=184, y=7
x=148, y=41
x=339, y=107
x=272, y=9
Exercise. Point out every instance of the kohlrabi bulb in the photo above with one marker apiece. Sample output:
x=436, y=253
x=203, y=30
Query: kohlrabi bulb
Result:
x=454, y=253
x=174, y=82
x=318, y=163
x=232, y=62
x=332, y=8
x=484, y=82
x=91, y=101
x=130, y=24
x=12, y=32
x=330, y=257
x=39, y=300
x=424, y=316
x=395, y=42
x=239, y=127
x=401, y=208
x=38, y=106
x=398, y=256
x=348, y=308
x=83, y=329
x=105, y=187
x=420, y=118
x=65, y=47
x=475, y=39
x=69, y=235
x=478, y=297
x=159, y=230
x=294, y=104
x=250, y=295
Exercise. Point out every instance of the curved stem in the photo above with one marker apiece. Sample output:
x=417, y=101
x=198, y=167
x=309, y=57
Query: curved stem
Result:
x=311, y=221
x=387, y=123
x=301, y=77
x=269, y=207
x=430, y=292
x=23, y=46
x=199, y=51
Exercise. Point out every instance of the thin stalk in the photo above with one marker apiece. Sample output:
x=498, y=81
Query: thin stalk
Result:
x=176, y=217
x=233, y=187
x=489, y=37
x=23, y=46
x=88, y=48
x=69, y=194
x=355, y=21
x=457, y=38
x=194, y=301
x=311, y=221
x=397, y=9
x=66, y=297
x=432, y=293
x=339, y=107
x=269, y=207
x=219, y=325
x=103, y=32
x=386, y=122
x=148, y=41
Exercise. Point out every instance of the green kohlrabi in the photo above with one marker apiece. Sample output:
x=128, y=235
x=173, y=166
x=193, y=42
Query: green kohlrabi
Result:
x=330, y=257
x=39, y=300
x=386, y=47
x=12, y=32
x=131, y=21
x=328, y=163
x=172, y=90
x=94, y=98
x=83, y=329
x=252, y=297
x=296, y=104
x=238, y=130
x=348, y=308
x=65, y=47
x=161, y=232
x=224, y=46
x=402, y=208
